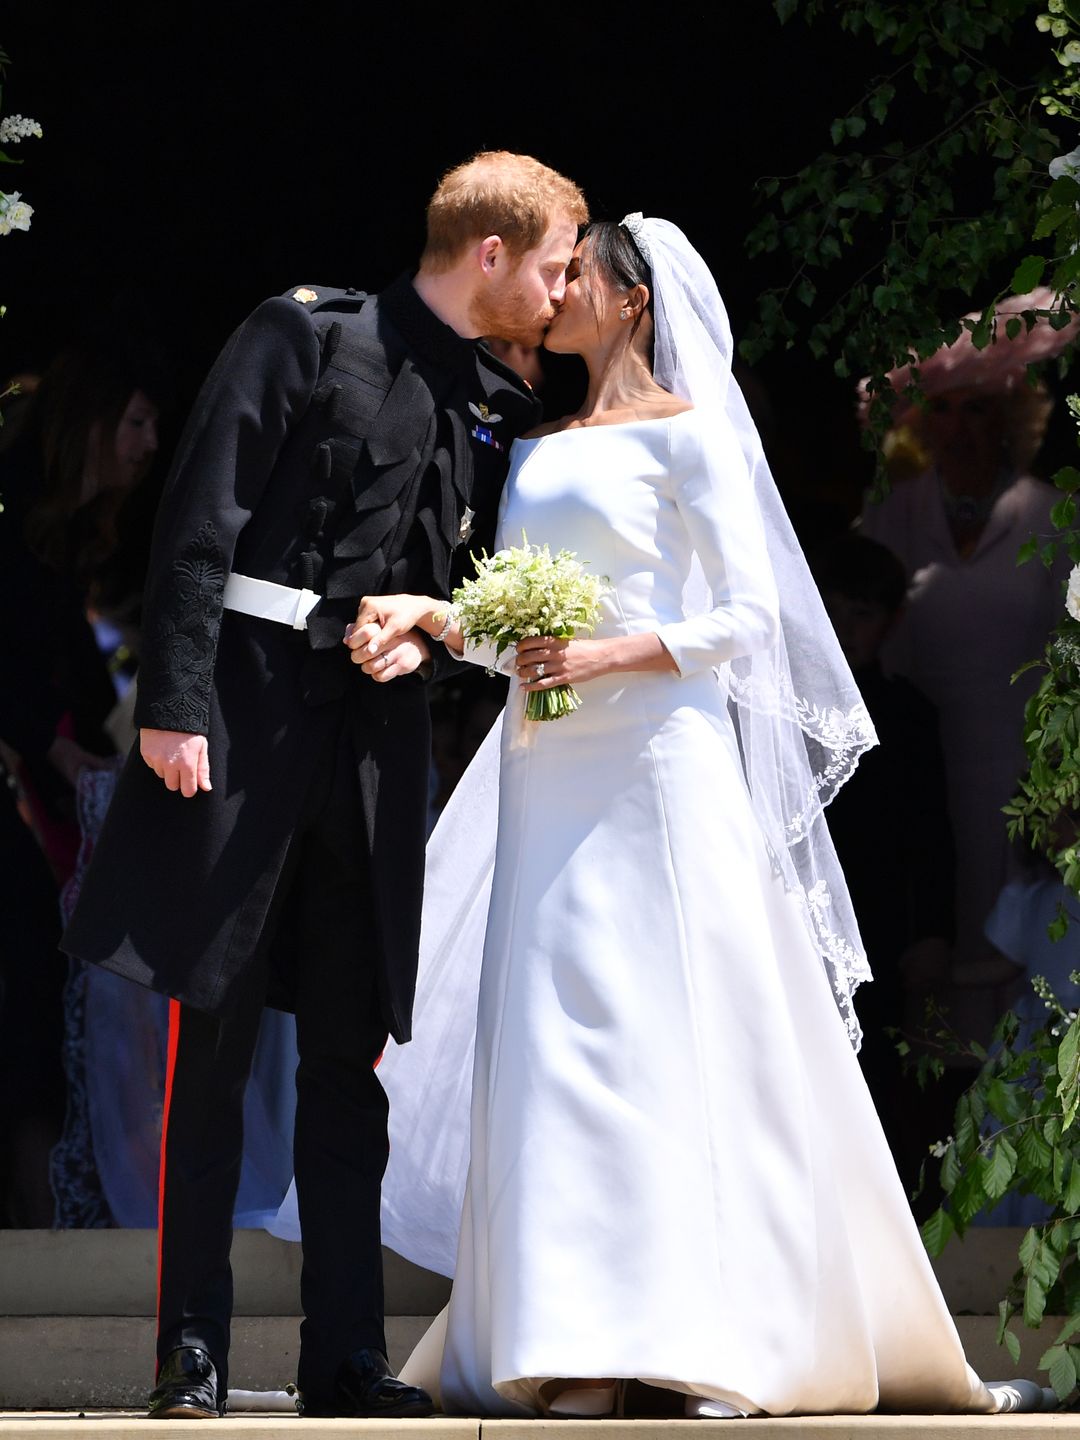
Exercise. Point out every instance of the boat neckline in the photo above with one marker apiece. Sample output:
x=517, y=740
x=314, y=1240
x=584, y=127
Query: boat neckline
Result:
x=612, y=425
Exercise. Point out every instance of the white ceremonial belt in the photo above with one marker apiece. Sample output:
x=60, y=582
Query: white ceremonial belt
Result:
x=267, y=601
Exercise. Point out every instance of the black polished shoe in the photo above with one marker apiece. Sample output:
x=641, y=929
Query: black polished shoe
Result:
x=187, y=1387
x=366, y=1388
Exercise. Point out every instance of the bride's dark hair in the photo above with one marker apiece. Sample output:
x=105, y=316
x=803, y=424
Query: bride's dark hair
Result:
x=610, y=247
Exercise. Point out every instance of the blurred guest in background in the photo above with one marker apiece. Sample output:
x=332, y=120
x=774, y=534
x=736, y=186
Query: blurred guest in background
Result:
x=86, y=436
x=973, y=616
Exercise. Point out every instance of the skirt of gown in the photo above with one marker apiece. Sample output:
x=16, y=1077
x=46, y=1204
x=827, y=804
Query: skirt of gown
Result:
x=676, y=1174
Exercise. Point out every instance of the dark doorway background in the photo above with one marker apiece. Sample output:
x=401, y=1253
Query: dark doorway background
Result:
x=199, y=157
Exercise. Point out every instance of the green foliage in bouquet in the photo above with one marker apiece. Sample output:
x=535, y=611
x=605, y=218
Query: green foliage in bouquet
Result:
x=1015, y=1132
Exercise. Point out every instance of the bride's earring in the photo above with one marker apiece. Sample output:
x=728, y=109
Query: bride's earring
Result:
x=624, y=313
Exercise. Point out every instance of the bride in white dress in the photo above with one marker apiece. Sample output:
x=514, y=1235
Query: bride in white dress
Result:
x=674, y=1170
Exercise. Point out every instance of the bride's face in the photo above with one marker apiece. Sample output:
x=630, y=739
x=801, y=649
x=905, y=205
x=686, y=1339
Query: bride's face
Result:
x=588, y=316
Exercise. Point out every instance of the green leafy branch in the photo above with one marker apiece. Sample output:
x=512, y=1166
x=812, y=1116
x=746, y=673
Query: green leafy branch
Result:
x=885, y=237
x=884, y=230
x=1046, y=808
x=1014, y=1131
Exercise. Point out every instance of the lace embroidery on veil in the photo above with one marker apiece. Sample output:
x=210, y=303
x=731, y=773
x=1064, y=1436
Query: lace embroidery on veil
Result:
x=800, y=849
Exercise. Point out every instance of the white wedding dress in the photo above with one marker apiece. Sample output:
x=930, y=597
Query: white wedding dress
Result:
x=676, y=1171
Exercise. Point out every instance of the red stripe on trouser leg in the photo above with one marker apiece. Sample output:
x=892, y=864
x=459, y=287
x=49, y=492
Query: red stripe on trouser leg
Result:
x=170, y=1072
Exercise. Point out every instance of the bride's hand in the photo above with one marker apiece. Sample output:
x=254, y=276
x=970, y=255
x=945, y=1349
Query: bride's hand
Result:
x=570, y=662
x=564, y=662
x=401, y=657
x=382, y=619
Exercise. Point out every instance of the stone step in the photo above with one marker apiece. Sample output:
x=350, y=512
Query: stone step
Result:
x=114, y=1272
x=71, y=1425
x=75, y=1308
x=59, y=1362
x=90, y=1362
x=126, y=1426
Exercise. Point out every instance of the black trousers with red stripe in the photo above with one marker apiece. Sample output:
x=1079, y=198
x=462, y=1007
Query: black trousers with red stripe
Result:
x=340, y=1144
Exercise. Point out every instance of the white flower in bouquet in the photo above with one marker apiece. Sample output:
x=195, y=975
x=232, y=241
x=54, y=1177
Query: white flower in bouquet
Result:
x=1072, y=593
x=523, y=591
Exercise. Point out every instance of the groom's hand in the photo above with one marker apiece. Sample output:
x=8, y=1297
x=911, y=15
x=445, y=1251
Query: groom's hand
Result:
x=179, y=758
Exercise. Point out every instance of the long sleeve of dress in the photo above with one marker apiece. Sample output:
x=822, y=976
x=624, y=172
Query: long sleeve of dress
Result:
x=261, y=385
x=714, y=494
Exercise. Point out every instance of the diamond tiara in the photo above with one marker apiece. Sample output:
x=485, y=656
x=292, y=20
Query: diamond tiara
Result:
x=635, y=223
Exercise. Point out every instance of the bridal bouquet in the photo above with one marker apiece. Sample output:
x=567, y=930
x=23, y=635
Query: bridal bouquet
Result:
x=523, y=591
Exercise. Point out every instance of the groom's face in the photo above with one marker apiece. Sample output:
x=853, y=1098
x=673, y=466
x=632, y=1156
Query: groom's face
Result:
x=520, y=297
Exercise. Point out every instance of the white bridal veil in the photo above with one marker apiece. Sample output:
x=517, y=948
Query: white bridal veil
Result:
x=802, y=727
x=801, y=721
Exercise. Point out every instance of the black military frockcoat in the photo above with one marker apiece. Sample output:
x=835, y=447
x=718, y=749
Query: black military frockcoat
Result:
x=331, y=448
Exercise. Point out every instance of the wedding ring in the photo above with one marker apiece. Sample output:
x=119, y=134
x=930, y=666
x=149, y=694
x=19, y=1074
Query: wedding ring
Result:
x=540, y=670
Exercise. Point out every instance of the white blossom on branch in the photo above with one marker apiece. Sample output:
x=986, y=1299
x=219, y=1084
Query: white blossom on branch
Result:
x=14, y=213
x=14, y=128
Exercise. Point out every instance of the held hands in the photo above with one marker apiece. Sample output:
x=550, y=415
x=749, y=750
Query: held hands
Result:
x=180, y=759
x=400, y=657
x=390, y=636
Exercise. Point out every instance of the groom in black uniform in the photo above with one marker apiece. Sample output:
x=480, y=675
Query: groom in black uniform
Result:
x=267, y=844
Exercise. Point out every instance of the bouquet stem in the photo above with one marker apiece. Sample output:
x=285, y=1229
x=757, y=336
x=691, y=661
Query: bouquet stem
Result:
x=551, y=704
